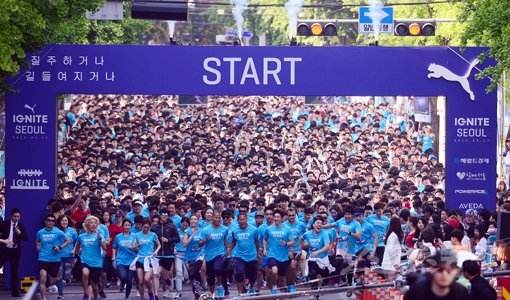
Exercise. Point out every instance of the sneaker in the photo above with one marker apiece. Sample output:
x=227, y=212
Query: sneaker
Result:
x=177, y=295
x=264, y=284
x=349, y=294
x=108, y=285
x=197, y=295
x=118, y=282
x=274, y=291
x=102, y=294
x=60, y=297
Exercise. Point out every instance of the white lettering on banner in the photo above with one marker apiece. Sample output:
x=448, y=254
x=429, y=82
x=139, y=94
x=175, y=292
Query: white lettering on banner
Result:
x=471, y=129
x=84, y=60
x=78, y=76
x=273, y=72
x=470, y=206
x=51, y=60
x=30, y=183
x=67, y=60
x=94, y=76
x=110, y=78
x=62, y=76
x=46, y=76
x=36, y=60
x=30, y=75
x=214, y=76
x=250, y=67
x=472, y=122
x=31, y=125
x=478, y=192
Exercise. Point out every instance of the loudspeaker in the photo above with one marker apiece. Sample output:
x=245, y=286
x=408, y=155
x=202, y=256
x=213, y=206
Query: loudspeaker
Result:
x=172, y=10
x=503, y=233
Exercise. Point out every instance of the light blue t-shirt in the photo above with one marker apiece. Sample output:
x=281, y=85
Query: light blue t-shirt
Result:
x=90, y=250
x=125, y=255
x=179, y=247
x=316, y=242
x=49, y=239
x=145, y=244
x=245, y=243
x=347, y=242
x=366, y=240
x=176, y=219
x=297, y=229
x=193, y=251
x=380, y=225
x=72, y=235
x=215, y=246
x=134, y=230
x=273, y=235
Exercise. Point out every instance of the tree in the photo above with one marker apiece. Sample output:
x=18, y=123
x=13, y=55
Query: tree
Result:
x=489, y=26
x=27, y=25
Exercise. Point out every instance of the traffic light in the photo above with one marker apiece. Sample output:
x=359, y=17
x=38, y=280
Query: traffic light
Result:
x=306, y=28
x=415, y=28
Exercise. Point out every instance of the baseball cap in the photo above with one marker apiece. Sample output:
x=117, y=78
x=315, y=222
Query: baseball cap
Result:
x=137, y=202
x=259, y=214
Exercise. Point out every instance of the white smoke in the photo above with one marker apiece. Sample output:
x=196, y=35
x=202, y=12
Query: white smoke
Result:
x=293, y=8
x=377, y=14
x=239, y=6
x=171, y=28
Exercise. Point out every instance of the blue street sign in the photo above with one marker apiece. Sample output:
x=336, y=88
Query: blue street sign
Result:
x=231, y=32
x=247, y=34
x=368, y=15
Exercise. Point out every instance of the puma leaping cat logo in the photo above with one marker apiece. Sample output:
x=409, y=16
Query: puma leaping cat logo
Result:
x=438, y=71
x=30, y=108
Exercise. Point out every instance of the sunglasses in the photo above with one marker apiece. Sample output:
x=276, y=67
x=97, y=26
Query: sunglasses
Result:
x=291, y=215
x=49, y=220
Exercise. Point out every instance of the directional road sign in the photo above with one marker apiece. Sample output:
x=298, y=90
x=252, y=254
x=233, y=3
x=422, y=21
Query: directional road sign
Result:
x=368, y=16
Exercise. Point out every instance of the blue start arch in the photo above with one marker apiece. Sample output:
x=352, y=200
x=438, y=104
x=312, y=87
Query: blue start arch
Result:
x=31, y=147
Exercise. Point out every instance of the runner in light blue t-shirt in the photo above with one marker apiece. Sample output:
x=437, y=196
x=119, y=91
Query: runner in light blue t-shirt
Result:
x=244, y=245
x=147, y=244
x=123, y=255
x=49, y=242
x=89, y=245
x=214, y=240
x=278, y=243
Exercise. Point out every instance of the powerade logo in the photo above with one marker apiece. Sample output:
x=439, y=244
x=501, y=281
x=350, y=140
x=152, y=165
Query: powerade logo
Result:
x=471, y=129
x=471, y=192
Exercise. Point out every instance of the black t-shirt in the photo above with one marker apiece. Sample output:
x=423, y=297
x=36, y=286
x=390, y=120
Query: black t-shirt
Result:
x=421, y=290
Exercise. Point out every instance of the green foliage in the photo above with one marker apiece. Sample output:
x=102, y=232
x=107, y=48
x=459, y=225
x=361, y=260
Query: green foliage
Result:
x=489, y=26
x=27, y=25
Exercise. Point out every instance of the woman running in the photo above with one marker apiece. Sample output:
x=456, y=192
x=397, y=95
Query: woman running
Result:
x=144, y=244
x=194, y=255
x=67, y=256
x=123, y=254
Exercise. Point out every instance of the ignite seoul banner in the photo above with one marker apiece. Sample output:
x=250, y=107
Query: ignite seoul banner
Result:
x=31, y=147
